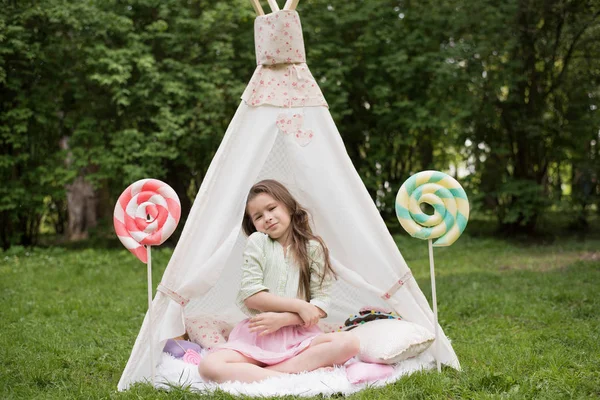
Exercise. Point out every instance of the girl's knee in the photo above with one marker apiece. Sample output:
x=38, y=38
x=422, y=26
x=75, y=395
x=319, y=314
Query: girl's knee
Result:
x=349, y=345
x=205, y=370
x=352, y=344
x=209, y=370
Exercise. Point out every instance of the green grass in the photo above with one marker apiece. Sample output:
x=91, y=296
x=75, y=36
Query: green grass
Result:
x=523, y=318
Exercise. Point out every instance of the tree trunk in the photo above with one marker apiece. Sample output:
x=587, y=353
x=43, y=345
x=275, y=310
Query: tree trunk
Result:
x=5, y=230
x=81, y=203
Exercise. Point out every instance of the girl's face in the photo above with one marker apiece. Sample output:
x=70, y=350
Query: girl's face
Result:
x=270, y=216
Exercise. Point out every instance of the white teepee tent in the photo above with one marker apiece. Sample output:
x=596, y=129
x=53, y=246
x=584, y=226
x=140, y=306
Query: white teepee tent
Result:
x=311, y=161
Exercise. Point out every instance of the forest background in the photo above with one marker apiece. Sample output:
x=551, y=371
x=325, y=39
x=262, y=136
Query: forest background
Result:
x=95, y=95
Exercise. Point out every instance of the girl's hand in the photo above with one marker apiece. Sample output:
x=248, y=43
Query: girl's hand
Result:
x=310, y=314
x=267, y=322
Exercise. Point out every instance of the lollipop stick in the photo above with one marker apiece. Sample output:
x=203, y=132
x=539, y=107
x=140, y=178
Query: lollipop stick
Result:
x=435, y=313
x=151, y=334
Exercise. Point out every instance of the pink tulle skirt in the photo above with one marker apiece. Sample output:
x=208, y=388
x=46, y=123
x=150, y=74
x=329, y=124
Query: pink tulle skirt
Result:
x=273, y=348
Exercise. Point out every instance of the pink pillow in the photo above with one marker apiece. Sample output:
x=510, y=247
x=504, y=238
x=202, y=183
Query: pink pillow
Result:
x=207, y=331
x=360, y=372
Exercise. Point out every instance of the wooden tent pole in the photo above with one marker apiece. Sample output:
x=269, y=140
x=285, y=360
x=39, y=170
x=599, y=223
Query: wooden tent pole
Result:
x=257, y=7
x=273, y=4
x=291, y=4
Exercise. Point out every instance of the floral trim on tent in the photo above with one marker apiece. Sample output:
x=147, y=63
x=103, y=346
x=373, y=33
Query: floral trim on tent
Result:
x=294, y=125
x=283, y=85
x=282, y=77
x=278, y=38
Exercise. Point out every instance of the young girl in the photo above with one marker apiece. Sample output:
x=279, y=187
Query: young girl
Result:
x=286, y=277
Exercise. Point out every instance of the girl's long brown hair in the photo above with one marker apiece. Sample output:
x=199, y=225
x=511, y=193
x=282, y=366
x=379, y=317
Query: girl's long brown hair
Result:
x=300, y=231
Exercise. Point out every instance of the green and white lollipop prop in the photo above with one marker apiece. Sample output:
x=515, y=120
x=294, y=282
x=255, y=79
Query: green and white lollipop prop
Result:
x=446, y=224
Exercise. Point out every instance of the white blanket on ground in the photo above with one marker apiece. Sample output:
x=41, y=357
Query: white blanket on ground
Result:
x=175, y=372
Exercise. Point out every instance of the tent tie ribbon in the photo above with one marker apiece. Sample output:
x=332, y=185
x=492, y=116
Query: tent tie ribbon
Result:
x=176, y=297
x=397, y=286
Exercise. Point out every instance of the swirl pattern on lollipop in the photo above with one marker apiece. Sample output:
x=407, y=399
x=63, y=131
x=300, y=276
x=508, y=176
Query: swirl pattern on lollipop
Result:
x=192, y=357
x=146, y=214
x=449, y=202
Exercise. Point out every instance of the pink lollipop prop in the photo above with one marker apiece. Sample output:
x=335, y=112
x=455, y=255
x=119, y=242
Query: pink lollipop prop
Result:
x=146, y=214
x=192, y=357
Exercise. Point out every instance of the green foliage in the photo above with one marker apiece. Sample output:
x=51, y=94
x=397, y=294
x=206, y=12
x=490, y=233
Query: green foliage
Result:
x=504, y=92
x=534, y=76
x=390, y=88
x=522, y=200
x=522, y=318
x=140, y=90
x=31, y=164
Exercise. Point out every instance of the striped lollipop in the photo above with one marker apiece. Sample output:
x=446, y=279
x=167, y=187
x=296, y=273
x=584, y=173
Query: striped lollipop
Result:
x=446, y=224
x=146, y=214
x=449, y=202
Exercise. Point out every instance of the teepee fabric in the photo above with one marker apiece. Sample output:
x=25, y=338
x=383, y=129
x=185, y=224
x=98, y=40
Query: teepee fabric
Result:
x=282, y=130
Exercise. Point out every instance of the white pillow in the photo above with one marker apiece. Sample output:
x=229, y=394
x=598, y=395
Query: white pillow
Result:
x=388, y=341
